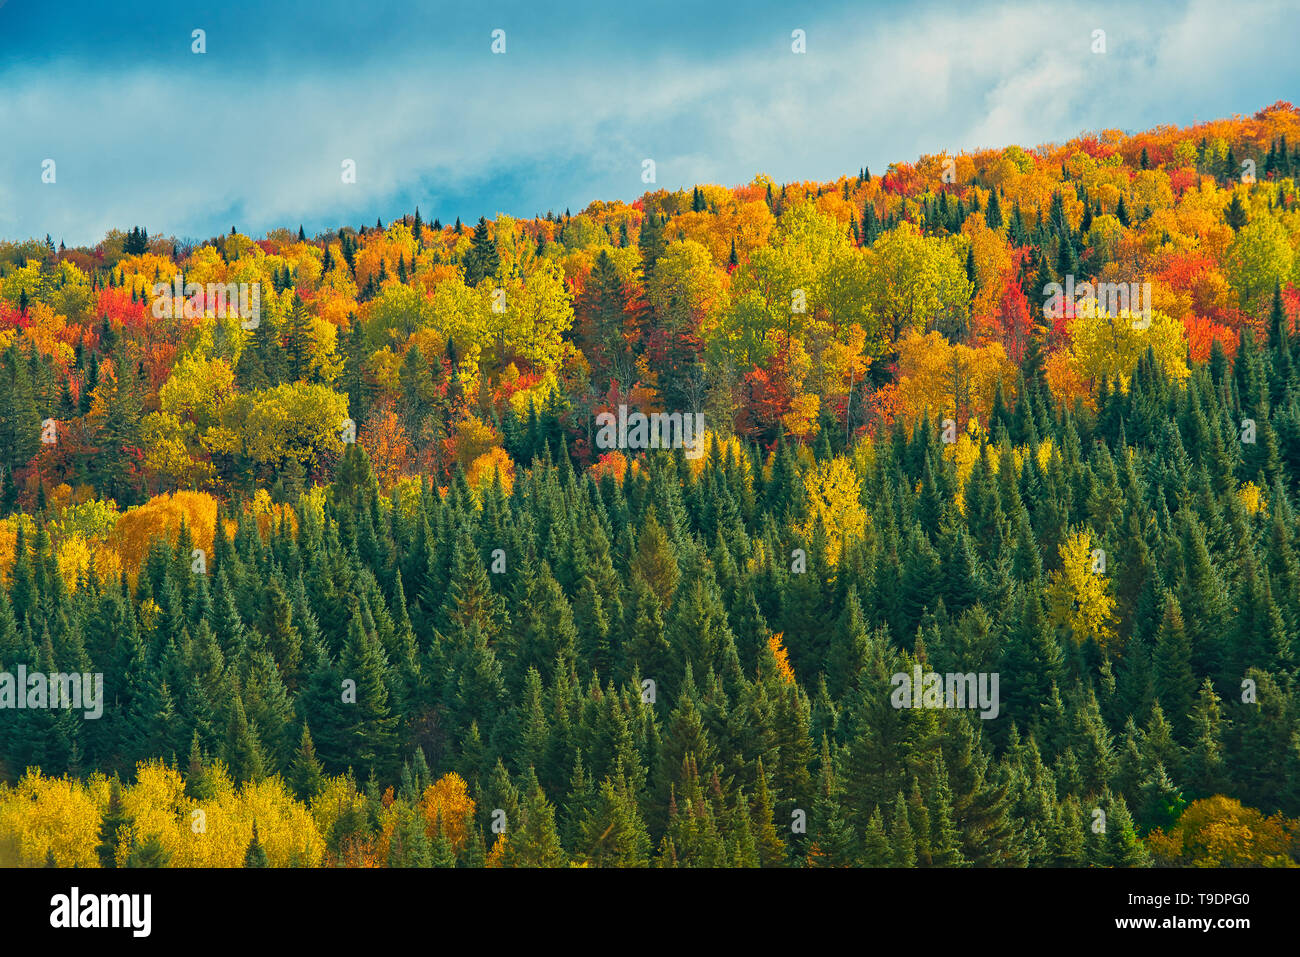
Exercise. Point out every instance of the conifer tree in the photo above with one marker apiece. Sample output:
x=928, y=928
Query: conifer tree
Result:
x=305, y=773
x=111, y=825
x=482, y=261
x=255, y=856
x=771, y=849
x=1175, y=683
x=536, y=841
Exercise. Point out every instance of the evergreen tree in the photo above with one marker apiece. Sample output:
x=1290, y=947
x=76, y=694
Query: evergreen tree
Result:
x=255, y=856
x=535, y=842
x=306, y=776
x=149, y=853
x=482, y=261
x=110, y=827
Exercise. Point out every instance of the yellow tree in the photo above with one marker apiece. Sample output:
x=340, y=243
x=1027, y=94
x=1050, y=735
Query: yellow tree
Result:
x=1078, y=593
x=1260, y=257
x=951, y=380
x=446, y=804
x=915, y=281
x=465, y=316
x=216, y=831
x=538, y=312
x=293, y=422
x=1219, y=832
x=834, y=498
x=197, y=389
x=168, y=442
x=685, y=288
x=1110, y=346
x=783, y=667
x=161, y=517
x=47, y=816
x=493, y=462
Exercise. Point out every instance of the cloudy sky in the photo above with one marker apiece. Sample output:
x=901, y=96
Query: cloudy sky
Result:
x=253, y=133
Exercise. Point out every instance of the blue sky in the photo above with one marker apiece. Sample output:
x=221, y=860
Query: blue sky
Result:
x=253, y=133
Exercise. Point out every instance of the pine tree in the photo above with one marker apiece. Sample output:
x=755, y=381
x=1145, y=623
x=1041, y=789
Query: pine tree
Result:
x=1205, y=771
x=1236, y=215
x=482, y=261
x=1120, y=847
x=993, y=213
x=1175, y=683
x=243, y=753
x=1279, y=347
x=306, y=776
x=149, y=853
x=1229, y=171
x=651, y=243
x=613, y=833
x=110, y=827
x=771, y=849
x=372, y=727
x=198, y=784
x=535, y=842
x=255, y=856
x=944, y=839
x=902, y=842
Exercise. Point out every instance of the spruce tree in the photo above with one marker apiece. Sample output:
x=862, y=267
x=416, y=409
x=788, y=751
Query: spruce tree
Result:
x=110, y=827
x=255, y=856
x=482, y=261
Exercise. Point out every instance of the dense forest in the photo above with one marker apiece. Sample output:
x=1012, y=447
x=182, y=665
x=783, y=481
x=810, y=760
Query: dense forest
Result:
x=365, y=589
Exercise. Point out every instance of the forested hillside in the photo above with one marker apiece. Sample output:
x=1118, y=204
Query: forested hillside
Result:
x=366, y=588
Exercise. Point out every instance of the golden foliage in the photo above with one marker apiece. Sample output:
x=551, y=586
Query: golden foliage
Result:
x=75, y=557
x=9, y=541
x=1220, y=832
x=474, y=437
x=964, y=453
x=952, y=381
x=1102, y=345
x=216, y=832
x=801, y=421
x=269, y=515
x=726, y=444
x=161, y=517
x=782, y=658
x=446, y=804
x=1252, y=498
x=833, y=499
x=495, y=461
x=43, y=815
x=405, y=497
x=1078, y=597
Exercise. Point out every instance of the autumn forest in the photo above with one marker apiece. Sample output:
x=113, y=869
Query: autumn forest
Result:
x=942, y=515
